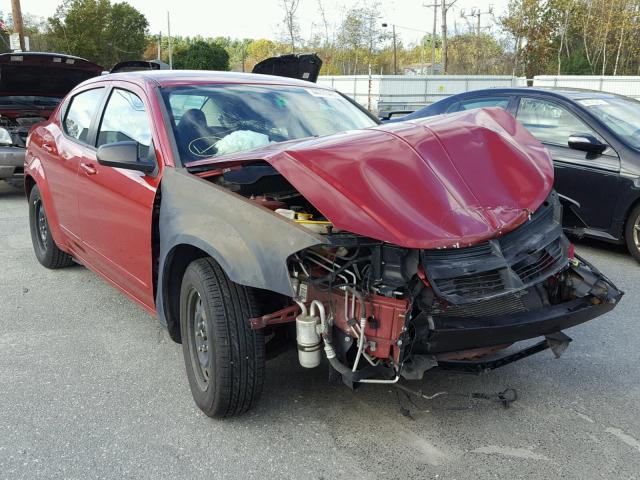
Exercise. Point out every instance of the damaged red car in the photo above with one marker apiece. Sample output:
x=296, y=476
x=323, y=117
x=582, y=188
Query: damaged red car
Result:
x=255, y=213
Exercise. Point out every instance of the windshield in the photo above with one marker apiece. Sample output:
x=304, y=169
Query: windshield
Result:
x=620, y=115
x=213, y=120
x=28, y=101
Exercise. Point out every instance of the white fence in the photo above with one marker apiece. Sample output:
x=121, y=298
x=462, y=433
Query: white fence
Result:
x=629, y=86
x=381, y=93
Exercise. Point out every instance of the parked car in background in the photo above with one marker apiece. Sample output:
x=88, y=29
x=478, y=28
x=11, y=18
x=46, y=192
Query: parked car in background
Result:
x=31, y=86
x=594, y=139
x=252, y=212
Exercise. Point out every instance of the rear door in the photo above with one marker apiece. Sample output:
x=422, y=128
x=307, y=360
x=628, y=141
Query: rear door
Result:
x=67, y=150
x=116, y=205
x=590, y=179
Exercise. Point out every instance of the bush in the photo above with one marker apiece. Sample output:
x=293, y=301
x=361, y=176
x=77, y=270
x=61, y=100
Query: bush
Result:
x=201, y=55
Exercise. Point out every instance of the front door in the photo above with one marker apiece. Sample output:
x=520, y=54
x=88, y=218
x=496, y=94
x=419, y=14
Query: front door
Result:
x=116, y=205
x=590, y=179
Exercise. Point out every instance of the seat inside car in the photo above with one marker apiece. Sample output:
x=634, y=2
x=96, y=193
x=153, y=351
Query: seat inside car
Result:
x=192, y=125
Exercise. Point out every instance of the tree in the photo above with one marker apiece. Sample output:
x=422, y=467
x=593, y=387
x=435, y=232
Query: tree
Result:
x=99, y=31
x=471, y=54
x=200, y=55
x=291, y=22
x=360, y=37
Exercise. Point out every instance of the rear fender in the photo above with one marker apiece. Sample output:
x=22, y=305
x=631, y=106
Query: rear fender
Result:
x=34, y=170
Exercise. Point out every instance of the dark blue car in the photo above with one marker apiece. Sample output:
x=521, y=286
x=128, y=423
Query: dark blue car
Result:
x=594, y=139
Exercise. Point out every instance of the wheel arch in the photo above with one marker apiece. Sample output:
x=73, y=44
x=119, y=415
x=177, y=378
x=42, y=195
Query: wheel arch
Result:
x=34, y=176
x=632, y=205
x=29, y=183
x=175, y=264
x=249, y=242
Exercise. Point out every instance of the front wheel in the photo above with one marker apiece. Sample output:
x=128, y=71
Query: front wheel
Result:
x=632, y=233
x=45, y=248
x=224, y=357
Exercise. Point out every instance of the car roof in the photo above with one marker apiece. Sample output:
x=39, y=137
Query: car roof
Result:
x=561, y=92
x=41, y=54
x=167, y=78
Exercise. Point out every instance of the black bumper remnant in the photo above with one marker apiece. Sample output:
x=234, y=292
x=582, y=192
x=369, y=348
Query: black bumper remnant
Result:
x=485, y=365
x=456, y=334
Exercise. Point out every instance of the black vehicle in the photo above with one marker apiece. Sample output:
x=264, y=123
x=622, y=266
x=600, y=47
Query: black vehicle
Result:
x=594, y=139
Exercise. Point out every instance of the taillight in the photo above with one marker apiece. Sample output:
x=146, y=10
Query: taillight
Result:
x=571, y=251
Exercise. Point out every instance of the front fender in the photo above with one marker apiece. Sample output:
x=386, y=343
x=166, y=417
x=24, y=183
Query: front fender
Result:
x=249, y=242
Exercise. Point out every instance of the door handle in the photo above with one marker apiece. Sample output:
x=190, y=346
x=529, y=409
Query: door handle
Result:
x=88, y=168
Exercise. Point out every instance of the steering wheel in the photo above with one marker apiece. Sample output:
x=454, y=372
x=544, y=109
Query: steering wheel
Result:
x=203, y=146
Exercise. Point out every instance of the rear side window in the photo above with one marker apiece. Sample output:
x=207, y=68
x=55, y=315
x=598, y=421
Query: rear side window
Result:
x=80, y=112
x=502, y=102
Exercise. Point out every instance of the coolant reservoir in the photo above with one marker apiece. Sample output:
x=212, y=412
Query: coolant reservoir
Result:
x=308, y=339
x=306, y=220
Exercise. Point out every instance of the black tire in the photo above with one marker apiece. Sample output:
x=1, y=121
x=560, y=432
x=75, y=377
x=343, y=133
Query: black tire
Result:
x=224, y=357
x=632, y=233
x=45, y=248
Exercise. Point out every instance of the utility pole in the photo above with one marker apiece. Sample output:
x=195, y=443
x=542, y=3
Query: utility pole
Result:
x=17, y=21
x=433, y=36
x=395, y=52
x=475, y=12
x=170, y=50
x=444, y=10
x=159, y=46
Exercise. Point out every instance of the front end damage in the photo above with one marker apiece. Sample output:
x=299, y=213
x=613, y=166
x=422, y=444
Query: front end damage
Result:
x=450, y=277
x=382, y=311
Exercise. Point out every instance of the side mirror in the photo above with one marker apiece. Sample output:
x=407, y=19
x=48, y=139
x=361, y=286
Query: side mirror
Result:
x=586, y=142
x=124, y=155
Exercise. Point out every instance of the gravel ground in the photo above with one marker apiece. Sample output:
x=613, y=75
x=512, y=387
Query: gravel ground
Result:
x=92, y=387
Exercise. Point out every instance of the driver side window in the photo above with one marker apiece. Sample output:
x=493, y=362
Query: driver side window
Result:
x=549, y=122
x=125, y=118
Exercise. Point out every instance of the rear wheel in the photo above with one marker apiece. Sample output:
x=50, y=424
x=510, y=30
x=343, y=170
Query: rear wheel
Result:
x=224, y=357
x=45, y=248
x=632, y=233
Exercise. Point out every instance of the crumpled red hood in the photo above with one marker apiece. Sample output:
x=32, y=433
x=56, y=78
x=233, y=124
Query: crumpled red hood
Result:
x=446, y=181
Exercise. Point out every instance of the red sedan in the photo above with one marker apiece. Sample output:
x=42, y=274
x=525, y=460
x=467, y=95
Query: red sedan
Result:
x=252, y=213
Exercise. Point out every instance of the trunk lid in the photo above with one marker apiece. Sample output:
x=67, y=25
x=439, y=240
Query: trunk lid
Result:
x=303, y=66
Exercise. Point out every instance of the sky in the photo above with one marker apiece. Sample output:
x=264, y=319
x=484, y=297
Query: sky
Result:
x=263, y=18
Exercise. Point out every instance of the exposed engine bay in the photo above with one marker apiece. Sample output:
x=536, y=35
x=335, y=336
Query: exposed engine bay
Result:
x=380, y=311
x=18, y=127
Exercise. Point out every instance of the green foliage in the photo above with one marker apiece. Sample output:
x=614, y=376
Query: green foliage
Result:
x=200, y=55
x=574, y=36
x=98, y=30
x=471, y=54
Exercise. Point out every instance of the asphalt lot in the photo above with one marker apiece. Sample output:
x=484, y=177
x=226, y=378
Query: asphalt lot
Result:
x=92, y=387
